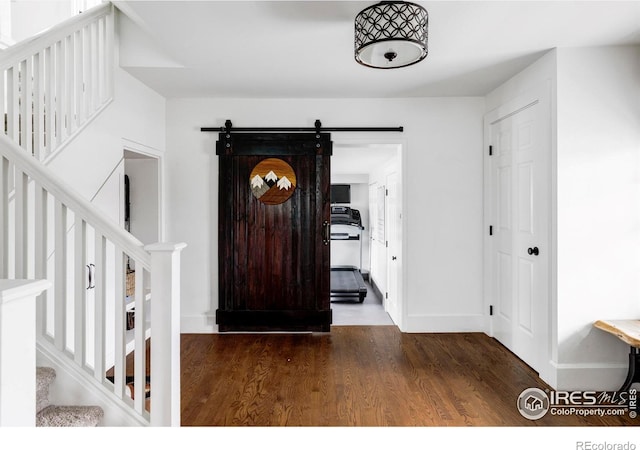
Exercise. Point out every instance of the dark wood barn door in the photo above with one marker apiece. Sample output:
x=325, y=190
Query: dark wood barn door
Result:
x=274, y=210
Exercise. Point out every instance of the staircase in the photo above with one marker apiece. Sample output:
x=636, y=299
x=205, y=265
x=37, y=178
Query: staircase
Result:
x=55, y=85
x=61, y=416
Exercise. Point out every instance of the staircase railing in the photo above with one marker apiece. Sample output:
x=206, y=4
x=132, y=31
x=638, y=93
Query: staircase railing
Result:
x=54, y=83
x=83, y=315
x=51, y=86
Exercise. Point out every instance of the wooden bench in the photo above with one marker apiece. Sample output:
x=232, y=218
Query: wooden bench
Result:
x=627, y=331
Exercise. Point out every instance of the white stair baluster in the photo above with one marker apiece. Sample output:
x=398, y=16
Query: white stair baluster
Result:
x=95, y=87
x=87, y=57
x=69, y=77
x=38, y=105
x=101, y=61
x=140, y=352
x=13, y=94
x=3, y=110
x=77, y=85
x=4, y=217
x=60, y=284
x=40, y=251
x=80, y=297
x=99, y=308
x=27, y=98
x=21, y=224
x=109, y=56
x=119, y=325
x=59, y=92
x=49, y=101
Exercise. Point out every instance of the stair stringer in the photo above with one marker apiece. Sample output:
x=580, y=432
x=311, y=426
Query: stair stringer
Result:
x=73, y=386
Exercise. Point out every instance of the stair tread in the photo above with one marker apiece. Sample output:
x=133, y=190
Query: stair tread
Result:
x=69, y=416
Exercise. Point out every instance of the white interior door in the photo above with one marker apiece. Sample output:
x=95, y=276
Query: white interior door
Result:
x=378, y=238
x=393, y=246
x=520, y=242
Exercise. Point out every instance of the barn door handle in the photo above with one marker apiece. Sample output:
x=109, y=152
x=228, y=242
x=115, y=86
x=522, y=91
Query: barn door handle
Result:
x=533, y=251
x=326, y=231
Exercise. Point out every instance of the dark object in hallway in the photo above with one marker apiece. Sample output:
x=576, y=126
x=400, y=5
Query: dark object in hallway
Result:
x=347, y=283
x=340, y=193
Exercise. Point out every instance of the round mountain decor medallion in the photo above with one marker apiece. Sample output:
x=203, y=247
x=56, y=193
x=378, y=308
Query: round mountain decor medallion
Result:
x=272, y=181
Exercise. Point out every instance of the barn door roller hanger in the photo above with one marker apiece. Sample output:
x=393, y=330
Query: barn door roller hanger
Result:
x=228, y=128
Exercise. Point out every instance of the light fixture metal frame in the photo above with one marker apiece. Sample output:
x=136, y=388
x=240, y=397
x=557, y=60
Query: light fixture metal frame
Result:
x=379, y=23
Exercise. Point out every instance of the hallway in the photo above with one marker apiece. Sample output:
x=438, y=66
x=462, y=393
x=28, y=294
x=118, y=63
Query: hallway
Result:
x=369, y=312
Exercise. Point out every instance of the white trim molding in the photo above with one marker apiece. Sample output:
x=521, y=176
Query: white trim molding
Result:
x=589, y=376
x=435, y=323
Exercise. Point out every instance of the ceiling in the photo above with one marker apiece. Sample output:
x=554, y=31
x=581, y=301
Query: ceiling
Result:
x=304, y=49
x=356, y=159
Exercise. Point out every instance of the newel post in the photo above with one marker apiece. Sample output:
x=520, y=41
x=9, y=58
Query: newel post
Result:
x=165, y=333
x=18, y=351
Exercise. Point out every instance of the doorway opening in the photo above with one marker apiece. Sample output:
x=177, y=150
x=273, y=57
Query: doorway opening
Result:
x=142, y=196
x=142, y=215
x=371, y=172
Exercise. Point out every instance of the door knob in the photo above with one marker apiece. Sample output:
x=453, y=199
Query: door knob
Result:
x=393, y=258
x=533, y=251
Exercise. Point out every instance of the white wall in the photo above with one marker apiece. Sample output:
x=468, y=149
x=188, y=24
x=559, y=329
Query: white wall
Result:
x=541, y=71
x=24, y=23
x=5, y=24
x=598, y=168
x=136, y=114
x=18, y=20
x=110, y=198
x=442, y=168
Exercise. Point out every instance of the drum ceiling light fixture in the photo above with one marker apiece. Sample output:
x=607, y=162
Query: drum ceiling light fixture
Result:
x=389, y=35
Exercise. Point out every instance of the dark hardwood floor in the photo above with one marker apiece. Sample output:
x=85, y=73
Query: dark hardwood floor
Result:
x=358, y=376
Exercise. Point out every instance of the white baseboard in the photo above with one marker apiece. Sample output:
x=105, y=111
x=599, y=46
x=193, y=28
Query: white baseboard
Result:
x=200, y=324
x=472, y=323
x=206, y=324
x=589, y=376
